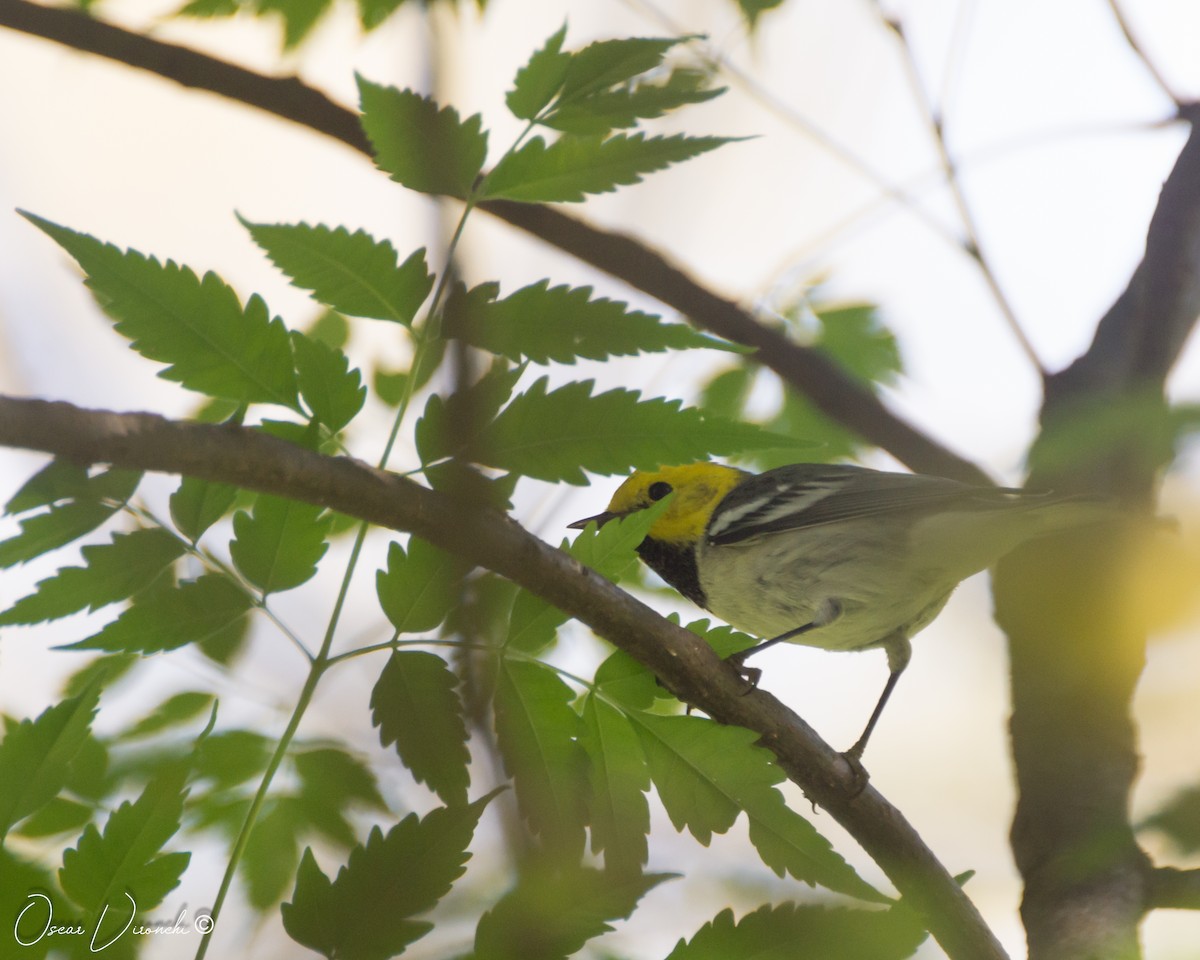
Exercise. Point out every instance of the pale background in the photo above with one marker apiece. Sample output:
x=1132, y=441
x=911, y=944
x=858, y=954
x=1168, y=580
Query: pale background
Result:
x=1052, y=119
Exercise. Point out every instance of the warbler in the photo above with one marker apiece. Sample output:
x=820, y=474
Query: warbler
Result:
x=833, y=556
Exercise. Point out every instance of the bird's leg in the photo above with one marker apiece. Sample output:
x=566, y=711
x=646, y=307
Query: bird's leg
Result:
x=827, y=611
x=899, y=650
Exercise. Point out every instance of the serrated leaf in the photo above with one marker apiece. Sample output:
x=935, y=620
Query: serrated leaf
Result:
x=624, y=108
x=556, y=436
x=103, y=669
x=415, y=707
x=552, y=914
x=277, y=545
x=197, y=326
x=232, y=757
x=618, y=781
x=272, y=854
x=197, y=504
x=190, y=612
x=572, y=167
x=59, y=815
x=544, y=323
x=176, y=709
x=332, y=782
x=788, y=931
x=36, y=755
x=420, y=145
x=537, y=83
x=623, y=679
x=420, y=586
x=112, y=572
x=537, y=732
x=706, y=774
x=610, y=551
x=56, y=481
x=606, y=63
x=410, y=869
x=753, y=9
x=854, y=336
x=333, y=391
x=451, y=426
x=351, y=272
x=126, y=860
x=94, y=502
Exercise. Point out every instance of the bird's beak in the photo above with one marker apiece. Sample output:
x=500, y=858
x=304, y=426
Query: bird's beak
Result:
x=601, y=519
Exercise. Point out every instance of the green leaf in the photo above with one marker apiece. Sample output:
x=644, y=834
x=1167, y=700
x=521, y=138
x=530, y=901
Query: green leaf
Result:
x=232, y=757
x=419, y=587
x=614, y=109
x=56, y=481
x=572, y=167
x=333, y=391
x=623, y=679
x=556, y=436
x=409, y=869
x=190, y=612
x=36, y=755
x=371, y=13
x=706, y=774
x=618, y=781
x=753, y=9
x=561, y=323
x=854, y=336
x=105, y=670
x=198, y=504
x=175, y=710
x=551, y=914
x=788, y=931
x=415, y=707
x=537, y=83
x=351, y=272
x=211, y=343
x=610, y=551
x=538, y=735
x=451, y=426
x=126, y=860
x=59, y=815
x=94, y=501
x=332, y=779
x=272, y=854
x=606, y=63
x=420, y=145
x=1179, y=819
x=112, y=572
x=277, y=545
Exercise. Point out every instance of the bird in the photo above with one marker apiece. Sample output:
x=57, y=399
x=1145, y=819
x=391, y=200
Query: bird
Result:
x=835, y=556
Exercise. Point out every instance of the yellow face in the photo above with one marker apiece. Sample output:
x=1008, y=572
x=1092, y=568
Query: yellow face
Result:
x=698, y=488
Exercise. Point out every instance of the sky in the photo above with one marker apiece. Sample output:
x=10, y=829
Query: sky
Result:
x=1058, y=130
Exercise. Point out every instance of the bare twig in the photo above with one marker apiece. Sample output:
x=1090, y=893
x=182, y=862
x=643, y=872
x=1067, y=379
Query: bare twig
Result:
x=811, y=372
x=685, y=664
x=1140, y=52
x=971, y=244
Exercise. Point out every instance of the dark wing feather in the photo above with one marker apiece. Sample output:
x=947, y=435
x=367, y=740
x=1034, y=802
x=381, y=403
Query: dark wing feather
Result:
x=796, y=497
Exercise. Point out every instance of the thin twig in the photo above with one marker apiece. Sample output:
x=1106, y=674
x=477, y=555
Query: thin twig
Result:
x=971, y=243
x=1140, y=52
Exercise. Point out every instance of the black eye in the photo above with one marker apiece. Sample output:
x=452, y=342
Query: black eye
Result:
x=659, y=490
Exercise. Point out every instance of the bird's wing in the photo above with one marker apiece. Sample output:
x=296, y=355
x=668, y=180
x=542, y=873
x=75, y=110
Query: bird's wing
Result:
x=792, y=498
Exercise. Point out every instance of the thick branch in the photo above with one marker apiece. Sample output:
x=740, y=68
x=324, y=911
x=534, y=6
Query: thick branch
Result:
x=839, y=396
x=684, y=663
x=1076, y=655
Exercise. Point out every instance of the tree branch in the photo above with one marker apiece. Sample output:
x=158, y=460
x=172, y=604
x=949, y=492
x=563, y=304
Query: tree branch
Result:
x=686, y=665
x=1172, y=889
x=1076, y=655
x=836, y=394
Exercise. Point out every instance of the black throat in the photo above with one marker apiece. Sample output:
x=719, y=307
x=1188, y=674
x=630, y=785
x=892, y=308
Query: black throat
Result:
x=677, y=565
